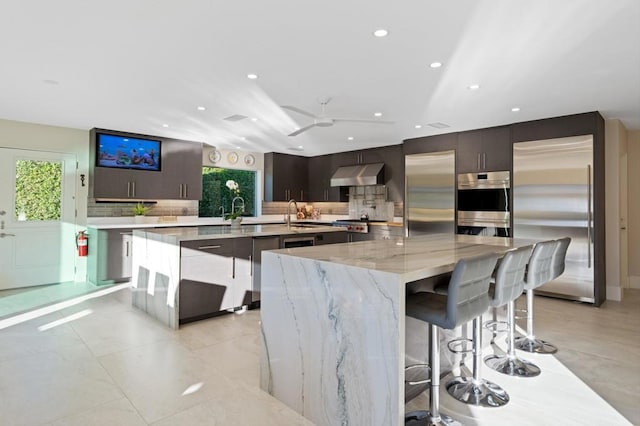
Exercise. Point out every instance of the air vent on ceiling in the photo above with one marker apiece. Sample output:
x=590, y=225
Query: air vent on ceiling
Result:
x=439, y=125
x=235, y=117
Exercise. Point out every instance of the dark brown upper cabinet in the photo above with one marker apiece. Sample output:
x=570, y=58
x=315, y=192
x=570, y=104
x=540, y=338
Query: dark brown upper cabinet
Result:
x=286, y=177
x=484, y=150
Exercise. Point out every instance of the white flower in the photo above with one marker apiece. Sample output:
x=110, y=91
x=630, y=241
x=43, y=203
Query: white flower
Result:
x=232, y=185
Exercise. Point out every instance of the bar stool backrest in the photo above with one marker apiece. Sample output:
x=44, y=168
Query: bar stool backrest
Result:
x=539, y=270
x=510, y=276
x=468, y=294
x=559, y=256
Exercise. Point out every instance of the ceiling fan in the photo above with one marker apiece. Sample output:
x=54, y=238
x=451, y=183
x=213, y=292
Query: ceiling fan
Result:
x=323, y=121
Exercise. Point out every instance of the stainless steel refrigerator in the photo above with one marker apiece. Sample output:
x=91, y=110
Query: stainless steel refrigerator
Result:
x=429, y=193
x=553, y=198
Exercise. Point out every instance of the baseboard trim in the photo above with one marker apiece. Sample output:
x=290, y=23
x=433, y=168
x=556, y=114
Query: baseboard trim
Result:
x=614, y=293
x=634, y=282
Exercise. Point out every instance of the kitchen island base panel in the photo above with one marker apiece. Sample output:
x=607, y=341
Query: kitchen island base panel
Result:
x=317, y=320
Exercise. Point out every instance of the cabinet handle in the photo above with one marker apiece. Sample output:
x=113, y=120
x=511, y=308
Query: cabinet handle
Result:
x=180, y=191
x=250, y=263
x=128, y=189
x=126, y=249
x=208, y=247
x=484, y=161
x=233, y=271
x=133, y=189
x=185, y=190
x=302, y=195
x=126, y=233
x=478, y=161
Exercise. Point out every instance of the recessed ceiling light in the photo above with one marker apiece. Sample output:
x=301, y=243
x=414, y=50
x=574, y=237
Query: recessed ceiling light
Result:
x=238, y=147
x=252, y=76
x=165, y=125
x=380, y=32
x=300, y=147
x=435, y=64
x=201, y=108
x=350, y=138
x=377, y=114
x=254, y=119
x=474, y=87
x=515, y=109
x=418, y=126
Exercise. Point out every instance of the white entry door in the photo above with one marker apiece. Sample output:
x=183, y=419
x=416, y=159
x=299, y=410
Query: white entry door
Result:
x=37, y=218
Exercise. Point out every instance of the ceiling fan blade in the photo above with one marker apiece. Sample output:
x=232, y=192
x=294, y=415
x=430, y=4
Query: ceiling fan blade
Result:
x=298, y=110
x=349, y=120
x=302, y=129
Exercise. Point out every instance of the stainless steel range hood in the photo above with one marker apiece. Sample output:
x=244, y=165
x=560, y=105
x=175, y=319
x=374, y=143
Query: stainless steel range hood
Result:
x=358, y=175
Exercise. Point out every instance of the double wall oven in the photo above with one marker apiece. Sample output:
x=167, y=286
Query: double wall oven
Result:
x=484, y=204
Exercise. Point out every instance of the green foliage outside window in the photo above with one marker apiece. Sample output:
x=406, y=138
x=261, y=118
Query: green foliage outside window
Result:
x=38, y=190
x=215, y=193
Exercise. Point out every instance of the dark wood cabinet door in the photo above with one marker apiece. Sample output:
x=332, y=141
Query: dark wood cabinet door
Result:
x=319, y=177
x=286, y=177
x=484, y=150
x=497, y=149
x=181, y=170
x=469, y=152
x=434, y=143
x=126, y=184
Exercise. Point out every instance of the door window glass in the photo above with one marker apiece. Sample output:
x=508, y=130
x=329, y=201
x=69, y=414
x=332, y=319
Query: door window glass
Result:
x=38, y=190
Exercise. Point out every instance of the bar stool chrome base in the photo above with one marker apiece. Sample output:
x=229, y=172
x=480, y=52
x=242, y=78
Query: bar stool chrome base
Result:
x=512, y=366
x=482, y=393
x=534, y=345
x=424, y=418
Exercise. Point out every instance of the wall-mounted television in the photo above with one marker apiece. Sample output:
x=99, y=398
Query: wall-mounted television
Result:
x=123, y=152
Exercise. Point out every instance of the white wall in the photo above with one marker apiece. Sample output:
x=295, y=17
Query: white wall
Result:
x=20, y=135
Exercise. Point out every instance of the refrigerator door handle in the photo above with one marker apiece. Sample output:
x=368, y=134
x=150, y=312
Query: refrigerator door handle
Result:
x=589, y=216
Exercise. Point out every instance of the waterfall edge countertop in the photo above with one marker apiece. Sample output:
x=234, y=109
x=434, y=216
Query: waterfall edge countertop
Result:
x=333, y=322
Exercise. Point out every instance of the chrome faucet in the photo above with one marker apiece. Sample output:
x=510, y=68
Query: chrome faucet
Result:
x=222, y=208
x=288, y=212
x=233, y=204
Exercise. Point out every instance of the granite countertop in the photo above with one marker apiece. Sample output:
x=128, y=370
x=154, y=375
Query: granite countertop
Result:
x=155, y=221
x=412, y=258
x=179, y=234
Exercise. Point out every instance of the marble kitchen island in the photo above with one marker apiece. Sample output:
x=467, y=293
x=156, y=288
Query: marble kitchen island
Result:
x=333, y=322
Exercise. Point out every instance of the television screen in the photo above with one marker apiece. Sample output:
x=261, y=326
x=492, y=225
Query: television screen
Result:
x=127, y=153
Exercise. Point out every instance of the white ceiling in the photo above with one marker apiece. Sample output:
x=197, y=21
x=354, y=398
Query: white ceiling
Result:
x=136, y=65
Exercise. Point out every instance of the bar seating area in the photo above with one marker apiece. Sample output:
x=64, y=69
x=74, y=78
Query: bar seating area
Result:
x=476, y=284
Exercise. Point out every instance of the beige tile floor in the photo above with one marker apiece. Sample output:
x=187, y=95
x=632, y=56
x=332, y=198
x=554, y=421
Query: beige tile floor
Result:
x=109, y=364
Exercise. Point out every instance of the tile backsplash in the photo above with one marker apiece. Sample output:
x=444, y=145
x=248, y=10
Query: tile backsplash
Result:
x=280, y=207
x=160, y=208
x=370, y=200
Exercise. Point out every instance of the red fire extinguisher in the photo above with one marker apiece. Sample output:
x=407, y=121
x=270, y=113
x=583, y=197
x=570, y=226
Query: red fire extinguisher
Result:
x=82, y=243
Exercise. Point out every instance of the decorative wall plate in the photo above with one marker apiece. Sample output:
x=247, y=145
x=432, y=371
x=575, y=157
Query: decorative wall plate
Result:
x=232, y=157
x=214, y=155
x=249, y=160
